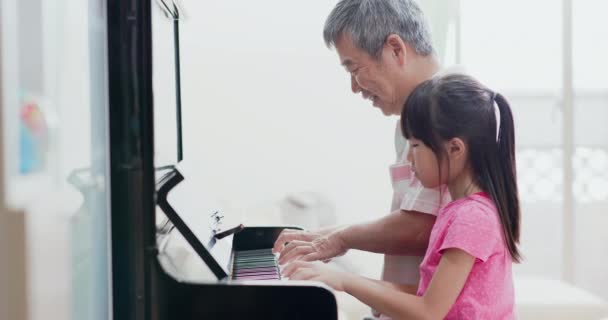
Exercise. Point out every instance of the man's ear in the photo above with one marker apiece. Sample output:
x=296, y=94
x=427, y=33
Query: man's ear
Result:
x=396, y=47
x=456, y=149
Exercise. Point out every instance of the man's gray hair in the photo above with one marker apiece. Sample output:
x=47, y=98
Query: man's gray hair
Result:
x=370, y=22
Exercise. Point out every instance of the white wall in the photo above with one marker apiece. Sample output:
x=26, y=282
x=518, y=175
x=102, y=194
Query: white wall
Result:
x=268, y=109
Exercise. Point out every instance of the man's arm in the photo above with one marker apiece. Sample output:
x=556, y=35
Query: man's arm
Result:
x=400, y=233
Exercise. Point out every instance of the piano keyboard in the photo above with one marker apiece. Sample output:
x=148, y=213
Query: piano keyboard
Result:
x=258, y=264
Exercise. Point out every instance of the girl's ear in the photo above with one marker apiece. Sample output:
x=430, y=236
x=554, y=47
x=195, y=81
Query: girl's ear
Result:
x=456, y=149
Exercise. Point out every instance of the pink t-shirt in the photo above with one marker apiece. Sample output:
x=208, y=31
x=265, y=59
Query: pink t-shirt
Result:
x=472, y=225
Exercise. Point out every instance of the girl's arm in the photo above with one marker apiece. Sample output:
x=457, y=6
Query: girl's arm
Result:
x=407, y=288
x=444, y=288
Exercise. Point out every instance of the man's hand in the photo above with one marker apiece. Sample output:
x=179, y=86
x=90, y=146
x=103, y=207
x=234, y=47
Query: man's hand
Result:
x=399, y=233
x=309, y=246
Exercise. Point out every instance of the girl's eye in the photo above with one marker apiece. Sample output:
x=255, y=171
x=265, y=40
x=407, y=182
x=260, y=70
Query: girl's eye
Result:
x=414, y=145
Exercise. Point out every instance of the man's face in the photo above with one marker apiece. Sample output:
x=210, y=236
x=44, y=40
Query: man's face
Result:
x=374, y=78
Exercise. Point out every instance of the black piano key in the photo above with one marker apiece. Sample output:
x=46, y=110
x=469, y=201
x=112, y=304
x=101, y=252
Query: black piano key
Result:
x=254, y=271
x=236, y=276
x=255, y=252
x=256, y=256
x=259, y=270
x=260, y=264
x=268, y=271
x=258, y=277
x=267, y=267
x=255, y=264
x=254, y=260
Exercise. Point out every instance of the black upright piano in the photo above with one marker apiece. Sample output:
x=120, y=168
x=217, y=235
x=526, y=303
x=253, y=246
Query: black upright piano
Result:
x=232, y=280
x=241, y=280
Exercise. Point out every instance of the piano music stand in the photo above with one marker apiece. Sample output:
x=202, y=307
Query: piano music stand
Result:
x=165, y=184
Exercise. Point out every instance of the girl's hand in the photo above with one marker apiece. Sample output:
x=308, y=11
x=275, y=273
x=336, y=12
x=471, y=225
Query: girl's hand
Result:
x=316, y=271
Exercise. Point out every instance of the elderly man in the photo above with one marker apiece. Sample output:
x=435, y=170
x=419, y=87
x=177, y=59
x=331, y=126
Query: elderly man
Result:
x=385, y=46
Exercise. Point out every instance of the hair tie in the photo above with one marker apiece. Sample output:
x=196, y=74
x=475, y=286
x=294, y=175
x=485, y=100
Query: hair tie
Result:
x=496, y=115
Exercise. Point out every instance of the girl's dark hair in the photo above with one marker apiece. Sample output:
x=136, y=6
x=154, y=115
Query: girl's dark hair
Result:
x=459, y=106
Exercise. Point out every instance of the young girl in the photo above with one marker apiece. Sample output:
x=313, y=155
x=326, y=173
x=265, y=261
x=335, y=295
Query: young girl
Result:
x=461, y=135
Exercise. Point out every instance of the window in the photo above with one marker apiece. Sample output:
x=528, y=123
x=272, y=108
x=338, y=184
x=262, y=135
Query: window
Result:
x=521, y=48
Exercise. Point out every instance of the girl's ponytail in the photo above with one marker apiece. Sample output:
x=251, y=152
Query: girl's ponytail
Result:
x=501, y=181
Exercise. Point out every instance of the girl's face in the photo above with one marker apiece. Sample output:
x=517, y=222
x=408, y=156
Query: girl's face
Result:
x=425, y=164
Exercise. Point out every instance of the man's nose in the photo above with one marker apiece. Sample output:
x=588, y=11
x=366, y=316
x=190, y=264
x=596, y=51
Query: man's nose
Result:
x=354, y=85
x=409, y=156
